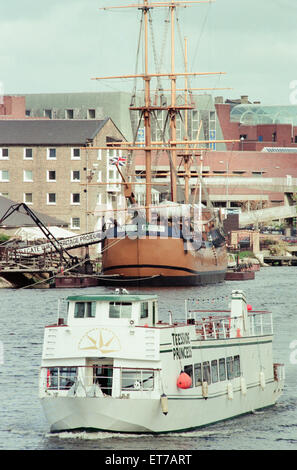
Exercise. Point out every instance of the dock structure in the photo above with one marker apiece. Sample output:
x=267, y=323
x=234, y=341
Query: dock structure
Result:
x=40, y=265
x=277, y=260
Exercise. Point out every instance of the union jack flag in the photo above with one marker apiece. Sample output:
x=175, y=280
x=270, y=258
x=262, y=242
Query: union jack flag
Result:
x=118, y=161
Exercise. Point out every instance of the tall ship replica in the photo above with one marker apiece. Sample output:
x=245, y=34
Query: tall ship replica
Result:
x=110, y=364
x=179, y=241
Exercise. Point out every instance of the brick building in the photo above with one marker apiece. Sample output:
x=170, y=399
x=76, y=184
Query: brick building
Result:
x=249, y=180
x=13, y=107
x=256, y=126
x=55, y=167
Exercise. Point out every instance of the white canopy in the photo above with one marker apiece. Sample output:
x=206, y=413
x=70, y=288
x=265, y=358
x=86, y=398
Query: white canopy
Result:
x=34, y=233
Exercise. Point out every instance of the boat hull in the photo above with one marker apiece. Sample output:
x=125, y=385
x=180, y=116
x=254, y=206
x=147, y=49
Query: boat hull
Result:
x=145, y=415
x=161, y=262
x=75, y=281
x=239, y=275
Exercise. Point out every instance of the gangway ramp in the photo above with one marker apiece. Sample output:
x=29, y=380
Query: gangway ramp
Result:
x=70, y=243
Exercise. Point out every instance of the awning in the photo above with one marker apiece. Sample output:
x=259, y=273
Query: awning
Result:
x=34, y=233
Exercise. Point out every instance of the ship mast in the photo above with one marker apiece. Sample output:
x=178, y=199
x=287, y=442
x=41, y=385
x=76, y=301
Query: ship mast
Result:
x=172, y=110
x=147, y=110
x=147, y=117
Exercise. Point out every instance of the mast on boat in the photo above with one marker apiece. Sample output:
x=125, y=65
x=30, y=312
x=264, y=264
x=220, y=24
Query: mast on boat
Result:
x=173, y=109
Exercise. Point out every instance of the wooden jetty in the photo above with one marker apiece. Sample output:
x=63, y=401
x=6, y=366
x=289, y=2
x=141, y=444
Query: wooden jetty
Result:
x=277, y=260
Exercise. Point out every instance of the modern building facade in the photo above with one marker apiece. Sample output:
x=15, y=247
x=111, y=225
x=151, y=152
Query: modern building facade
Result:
x=257, y=127
x=233, y=179
x=203, y=122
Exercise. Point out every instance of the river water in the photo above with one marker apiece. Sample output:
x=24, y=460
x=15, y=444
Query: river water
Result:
x=25, y=312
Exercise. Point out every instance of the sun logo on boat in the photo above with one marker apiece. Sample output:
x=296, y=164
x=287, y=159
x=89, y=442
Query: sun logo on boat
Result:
x=102, y=340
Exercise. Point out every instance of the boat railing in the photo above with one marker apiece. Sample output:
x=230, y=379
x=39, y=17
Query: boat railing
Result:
x=96, y=380
x=220, y=325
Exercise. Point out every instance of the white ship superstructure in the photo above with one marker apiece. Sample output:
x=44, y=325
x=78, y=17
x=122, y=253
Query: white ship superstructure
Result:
x=113, y=366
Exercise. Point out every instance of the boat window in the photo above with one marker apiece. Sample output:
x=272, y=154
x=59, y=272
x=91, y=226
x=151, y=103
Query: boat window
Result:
x=137, y=380
x=144, y=310
x=189, y=370
x=214, y=371
x=236, y=366
x=85, y=309
x=222, y=369
x=61, y=378
x=120, y=309
x=198, y=374
x=102, y=376
x=206, y=372
x=230, y=367
x=154, y=313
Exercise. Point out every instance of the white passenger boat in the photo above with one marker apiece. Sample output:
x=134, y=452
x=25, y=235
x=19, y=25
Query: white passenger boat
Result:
x=113, y=366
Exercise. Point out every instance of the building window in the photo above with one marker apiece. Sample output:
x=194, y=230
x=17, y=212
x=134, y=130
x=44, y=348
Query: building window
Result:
x=75, y=154
x=75, y=175
x=51, y=175
x=48, y=113
x=91, y=113
x=4, y=194
x=258, y=173
x=51, y=198
x=51, y=153
x=28, y=154
x=99, y=176
x=69, y=113
x=99, y=154
x=28, y=198
x=28, y=175
x=99, y=198
x=75, y=223
x=28, y=112
x=75, y=198
x=4, y=154
x=4, y=175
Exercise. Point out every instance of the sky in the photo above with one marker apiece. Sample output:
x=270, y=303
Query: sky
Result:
x=52, y=46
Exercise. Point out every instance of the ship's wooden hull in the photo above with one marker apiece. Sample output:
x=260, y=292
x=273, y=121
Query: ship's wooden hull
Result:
x=161, y=262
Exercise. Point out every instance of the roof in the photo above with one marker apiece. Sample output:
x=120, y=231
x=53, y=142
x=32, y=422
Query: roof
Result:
x=112, y=297
x=49, y=131
x=252, y=114
x=20, y=218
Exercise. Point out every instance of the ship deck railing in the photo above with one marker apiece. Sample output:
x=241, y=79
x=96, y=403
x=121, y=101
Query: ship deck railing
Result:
x=220, y=325
x=77, y=380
